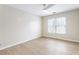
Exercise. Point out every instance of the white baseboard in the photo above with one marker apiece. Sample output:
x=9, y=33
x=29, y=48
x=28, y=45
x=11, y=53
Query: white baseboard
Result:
x=18, y=43
x=33, y=39
x=62, y=39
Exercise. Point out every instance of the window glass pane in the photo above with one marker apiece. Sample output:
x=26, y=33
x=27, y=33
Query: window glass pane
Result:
x=57, y=25
x=51, y=26
x=58, y=22
x=61, y=29
x=63, y=21
x=61, y=25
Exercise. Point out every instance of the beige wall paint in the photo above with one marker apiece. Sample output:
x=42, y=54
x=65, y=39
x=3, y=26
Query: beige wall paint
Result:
x=72, y=26
x=17, y=26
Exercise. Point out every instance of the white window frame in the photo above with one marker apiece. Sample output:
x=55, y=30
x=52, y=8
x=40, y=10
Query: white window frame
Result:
x=53, y=25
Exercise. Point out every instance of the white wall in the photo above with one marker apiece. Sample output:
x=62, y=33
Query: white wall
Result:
x=72, y=26
x=17, y=26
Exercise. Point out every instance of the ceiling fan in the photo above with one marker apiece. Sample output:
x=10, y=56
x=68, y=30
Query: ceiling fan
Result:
x=47, y=6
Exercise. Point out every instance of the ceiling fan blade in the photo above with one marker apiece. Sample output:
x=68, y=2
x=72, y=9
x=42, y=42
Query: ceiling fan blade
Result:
x=49, y=6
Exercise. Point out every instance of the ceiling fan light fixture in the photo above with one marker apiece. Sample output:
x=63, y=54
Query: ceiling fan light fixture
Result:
x=45, y=11
x=47, y=6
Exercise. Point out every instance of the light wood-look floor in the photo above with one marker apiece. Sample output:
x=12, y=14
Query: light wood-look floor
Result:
x=43, y=46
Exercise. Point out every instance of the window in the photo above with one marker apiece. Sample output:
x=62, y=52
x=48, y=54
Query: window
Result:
x=57, y=25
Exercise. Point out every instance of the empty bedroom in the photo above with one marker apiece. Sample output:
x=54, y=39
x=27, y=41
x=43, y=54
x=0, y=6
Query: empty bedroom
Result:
x=39, y=29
